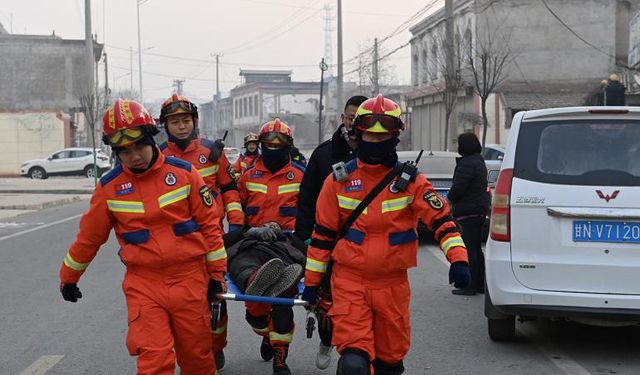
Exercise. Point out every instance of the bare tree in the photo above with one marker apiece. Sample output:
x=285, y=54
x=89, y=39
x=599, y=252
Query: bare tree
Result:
x=450, y=63
x=92, y=105
x=488, y=61
x=366, y=69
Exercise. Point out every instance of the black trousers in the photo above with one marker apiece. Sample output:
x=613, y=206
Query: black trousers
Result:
x=472, y=236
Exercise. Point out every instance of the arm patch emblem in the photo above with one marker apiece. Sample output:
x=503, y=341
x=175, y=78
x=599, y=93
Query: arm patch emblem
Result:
x=205, y=194
x=434, y=201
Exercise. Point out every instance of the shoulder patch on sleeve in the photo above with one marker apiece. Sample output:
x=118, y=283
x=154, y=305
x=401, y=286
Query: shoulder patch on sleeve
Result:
x=163, y=146
x=298, y=166
x=178, y=163
x=433, y=200
x=115, y=172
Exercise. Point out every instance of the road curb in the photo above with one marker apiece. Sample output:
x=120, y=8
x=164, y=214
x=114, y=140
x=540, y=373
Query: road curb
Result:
x=43, y=205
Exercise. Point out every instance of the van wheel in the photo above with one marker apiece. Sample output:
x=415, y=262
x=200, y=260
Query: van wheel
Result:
x=37, y=173
x=502, y=329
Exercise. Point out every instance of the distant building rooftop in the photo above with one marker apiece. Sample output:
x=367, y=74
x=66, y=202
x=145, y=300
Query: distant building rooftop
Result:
x=251, y=76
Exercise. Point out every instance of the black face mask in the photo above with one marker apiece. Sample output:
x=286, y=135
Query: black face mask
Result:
x=378, y=152
x=275, y=159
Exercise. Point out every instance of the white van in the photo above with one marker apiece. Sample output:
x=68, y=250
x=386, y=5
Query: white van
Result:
x=565, y=224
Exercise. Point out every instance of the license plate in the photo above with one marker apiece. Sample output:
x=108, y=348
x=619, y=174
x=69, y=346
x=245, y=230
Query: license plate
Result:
x=442, y=193
x=606, y=231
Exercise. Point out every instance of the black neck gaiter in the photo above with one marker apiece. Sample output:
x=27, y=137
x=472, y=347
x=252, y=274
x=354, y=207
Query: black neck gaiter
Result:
x=378, y=152
x=275, y=159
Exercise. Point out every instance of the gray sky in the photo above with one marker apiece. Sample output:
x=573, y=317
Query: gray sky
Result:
x=251, y=34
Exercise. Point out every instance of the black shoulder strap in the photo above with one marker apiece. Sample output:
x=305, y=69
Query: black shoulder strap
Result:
x=368, y=199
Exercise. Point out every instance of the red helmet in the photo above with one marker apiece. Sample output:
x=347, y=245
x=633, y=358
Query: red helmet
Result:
x=125, y=122
x=379, y=115
x=177, y=104
x=277, y=133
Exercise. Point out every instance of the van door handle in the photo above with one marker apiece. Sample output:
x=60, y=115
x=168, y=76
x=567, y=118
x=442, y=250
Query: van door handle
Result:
x=594, y=213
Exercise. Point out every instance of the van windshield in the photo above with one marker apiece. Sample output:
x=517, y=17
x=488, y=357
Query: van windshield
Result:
x=601, y=152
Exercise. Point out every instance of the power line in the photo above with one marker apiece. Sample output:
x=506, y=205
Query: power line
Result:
x=304, y=7
x=173, y=76
x=575, y=33
x=379, y=58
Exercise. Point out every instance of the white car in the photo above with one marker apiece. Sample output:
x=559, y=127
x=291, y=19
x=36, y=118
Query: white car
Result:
x=69, y=161
x=565, y=225
x=232, y=154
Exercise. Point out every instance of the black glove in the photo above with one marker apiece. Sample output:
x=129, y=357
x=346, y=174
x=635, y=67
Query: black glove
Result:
x=70, y=292
x=216, y=150
x=310, y=295
x=215, y=288
x=299, y=243
x=459, y=275
x=263, y=233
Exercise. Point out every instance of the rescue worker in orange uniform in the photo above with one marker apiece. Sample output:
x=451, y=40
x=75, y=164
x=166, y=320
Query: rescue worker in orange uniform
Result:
x=369, y=284
x=168, y=228
x=180, y=118
x=250, y=154
x=269, y=190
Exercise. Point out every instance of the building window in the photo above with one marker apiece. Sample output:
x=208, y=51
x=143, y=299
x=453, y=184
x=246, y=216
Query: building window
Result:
x=236, y=112
x=425, y=66
x=415, y=70
x=244, y=107
x=434, y=57
x=467, y=45
x=250, y=113
x=255, y=105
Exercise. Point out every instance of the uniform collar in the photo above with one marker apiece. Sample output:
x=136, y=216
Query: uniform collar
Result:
x=193, y=144
x=258, y=164
x=372, y=168
x=154, y=168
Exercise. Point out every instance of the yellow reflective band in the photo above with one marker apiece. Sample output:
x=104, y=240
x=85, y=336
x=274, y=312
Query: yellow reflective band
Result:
x=204, y=172
x=316, y=265
x=349, y=203
x=258, y=188
x=377, y=128
x=362, y=111
x=289, y=188
x=215, y=255
x=394, y=112
x=243, y=165
x=396, y=204
x=452, y=242
x=125, y=206
x=261, y=331
x=219, y=330
x=234, y=206
x=275, y=336
x=73, y=264
x=174, y=196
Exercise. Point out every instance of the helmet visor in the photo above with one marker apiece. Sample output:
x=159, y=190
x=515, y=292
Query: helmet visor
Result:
x=176, y=108
x=124, y=137
x=275, y=139
x=378, y=123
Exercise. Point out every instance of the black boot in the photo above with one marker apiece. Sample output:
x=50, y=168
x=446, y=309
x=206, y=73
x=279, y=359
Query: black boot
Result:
x=266, y=351
x=280, y=360
x=219, y=357
x=384, y=368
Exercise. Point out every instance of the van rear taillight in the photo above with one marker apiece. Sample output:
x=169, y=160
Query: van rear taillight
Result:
x=501, y=210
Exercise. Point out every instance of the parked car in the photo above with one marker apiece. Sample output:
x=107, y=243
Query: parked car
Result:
x=565, y=228
x=69, y=161
x=493, y=152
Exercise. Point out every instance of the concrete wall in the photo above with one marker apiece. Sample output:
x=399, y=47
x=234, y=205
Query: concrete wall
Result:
x=28, y=136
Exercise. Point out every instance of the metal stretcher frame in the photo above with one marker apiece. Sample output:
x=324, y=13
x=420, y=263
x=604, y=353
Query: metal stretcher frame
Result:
x=235, y=294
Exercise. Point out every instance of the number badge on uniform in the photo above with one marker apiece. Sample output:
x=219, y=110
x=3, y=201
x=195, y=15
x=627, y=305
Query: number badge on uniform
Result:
x=202, y=159
x=170, y=179
x=205, y=194
x=434, y=201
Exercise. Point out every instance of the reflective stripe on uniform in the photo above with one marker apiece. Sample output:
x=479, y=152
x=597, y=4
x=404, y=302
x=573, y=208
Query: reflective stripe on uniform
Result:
x=275, y=336
x=214, y=255
x=258, y=188
x=219, y=330
x=234, y=206
x=174, y=196
x=451, y=242
x=133, y=207
x=316, y=265
x=243, y=165
x=261, y=331
x=349, y=203
x=73, y=264
x=204, y=172
x=289, y=188
x=396, y=204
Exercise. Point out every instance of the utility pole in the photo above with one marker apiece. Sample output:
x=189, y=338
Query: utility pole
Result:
x=177, y=83
x=88, y=40
x=139, y=53
x=91, y=101
x=340, y=72
x=107, y=92
x=323, y=68
x=131, y=69
x=217, y=55
x=376, y=86
x=328, y=40
x=451, y=68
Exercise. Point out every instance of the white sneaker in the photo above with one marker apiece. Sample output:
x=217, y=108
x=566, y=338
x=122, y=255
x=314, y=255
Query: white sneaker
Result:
x=323, y=358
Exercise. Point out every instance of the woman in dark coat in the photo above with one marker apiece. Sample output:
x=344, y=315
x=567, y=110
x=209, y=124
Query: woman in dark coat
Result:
x=470, y=199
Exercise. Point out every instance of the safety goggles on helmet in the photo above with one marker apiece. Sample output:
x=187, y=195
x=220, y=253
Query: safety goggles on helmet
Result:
x=275, y=139
x=177, y=107
x=124, y=137
x=378, y=123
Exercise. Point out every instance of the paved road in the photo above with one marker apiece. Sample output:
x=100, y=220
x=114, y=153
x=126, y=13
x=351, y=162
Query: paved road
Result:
x=40, y=332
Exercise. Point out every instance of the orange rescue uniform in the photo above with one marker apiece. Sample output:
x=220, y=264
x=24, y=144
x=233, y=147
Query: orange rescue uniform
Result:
x=270, y=197
x=369, y=282
x=216, y=175
x=243, y=162
x=168, y=228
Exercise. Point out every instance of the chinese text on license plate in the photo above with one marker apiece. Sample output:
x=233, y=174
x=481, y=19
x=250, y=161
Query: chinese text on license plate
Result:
x=605, y=231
